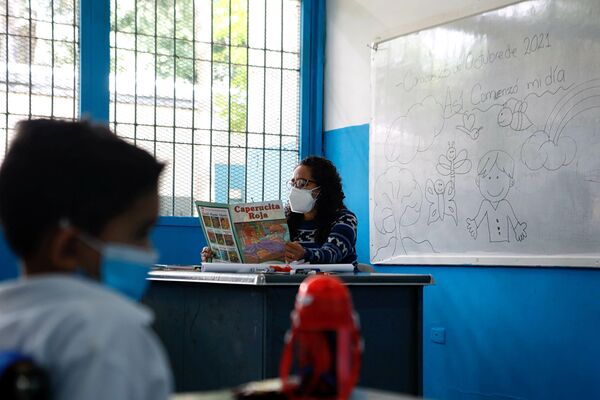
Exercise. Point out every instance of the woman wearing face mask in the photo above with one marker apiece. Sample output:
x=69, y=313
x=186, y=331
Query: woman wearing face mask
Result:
x=322, y=229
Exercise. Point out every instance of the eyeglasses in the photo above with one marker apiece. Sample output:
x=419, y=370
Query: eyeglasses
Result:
x=299, y=183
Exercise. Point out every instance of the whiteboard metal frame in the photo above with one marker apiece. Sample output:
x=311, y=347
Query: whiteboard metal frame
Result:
x=493, y=261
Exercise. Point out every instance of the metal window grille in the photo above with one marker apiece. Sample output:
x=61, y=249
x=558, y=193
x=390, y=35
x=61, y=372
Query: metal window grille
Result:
x=39, y=67
x=211, y=87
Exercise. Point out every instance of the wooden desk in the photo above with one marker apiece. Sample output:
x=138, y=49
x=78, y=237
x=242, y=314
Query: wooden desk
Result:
x=221, y=330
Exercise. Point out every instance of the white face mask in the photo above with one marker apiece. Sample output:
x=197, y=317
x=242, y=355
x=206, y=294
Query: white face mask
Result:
x=301, y=200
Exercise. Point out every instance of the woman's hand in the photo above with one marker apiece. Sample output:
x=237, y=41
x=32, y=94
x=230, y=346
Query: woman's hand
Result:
x=293, y=251
x=206, y=254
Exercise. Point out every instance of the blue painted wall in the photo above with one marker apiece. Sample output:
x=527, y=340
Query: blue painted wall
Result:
x=347, y=151
x=179, y=240
x=511, y=333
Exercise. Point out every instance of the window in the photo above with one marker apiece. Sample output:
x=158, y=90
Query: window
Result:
x=39, y=68
x=212, y=88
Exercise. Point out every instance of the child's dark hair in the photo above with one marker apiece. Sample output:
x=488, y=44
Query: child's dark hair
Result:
x=75, y=171
x=330, y=200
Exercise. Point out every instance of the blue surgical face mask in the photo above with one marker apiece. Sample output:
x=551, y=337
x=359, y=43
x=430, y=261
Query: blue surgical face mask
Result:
x=124, y=268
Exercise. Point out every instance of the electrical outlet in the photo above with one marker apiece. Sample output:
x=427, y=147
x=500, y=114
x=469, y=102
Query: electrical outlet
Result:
x=438, y=335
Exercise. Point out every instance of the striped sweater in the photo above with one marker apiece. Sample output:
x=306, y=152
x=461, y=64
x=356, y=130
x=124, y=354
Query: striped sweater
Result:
x=340, y=246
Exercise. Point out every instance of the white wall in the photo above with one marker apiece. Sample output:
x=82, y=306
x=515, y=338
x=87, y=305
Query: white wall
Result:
x=352, y=25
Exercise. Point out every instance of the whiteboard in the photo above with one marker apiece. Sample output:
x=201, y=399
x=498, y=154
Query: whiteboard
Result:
x=485, y=140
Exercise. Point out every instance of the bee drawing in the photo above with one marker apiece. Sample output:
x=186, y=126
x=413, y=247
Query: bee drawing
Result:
x=513, y=114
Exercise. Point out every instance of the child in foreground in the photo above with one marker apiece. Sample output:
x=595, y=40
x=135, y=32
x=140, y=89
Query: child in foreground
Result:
x=77, y=204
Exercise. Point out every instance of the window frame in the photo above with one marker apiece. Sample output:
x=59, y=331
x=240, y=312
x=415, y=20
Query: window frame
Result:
x=94, y=69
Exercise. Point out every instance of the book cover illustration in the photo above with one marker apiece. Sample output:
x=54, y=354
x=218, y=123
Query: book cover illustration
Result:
x=262, y=230
x=218, y=230
x=245, y=232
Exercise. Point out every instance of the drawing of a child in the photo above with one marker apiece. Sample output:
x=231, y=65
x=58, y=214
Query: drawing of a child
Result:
x=495, y=178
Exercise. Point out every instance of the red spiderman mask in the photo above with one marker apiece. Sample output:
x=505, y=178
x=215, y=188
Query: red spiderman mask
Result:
x=326, y=340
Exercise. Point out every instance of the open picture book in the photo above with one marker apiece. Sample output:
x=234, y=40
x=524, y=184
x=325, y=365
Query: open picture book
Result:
x=244, y=232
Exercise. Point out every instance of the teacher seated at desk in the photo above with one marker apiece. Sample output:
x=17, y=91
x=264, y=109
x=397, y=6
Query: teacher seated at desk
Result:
x=322, y=229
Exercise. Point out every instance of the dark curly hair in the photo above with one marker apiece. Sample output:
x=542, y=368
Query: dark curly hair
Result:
x=330, y=199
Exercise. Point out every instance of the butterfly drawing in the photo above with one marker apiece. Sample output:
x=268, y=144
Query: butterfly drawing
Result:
x=440, y=196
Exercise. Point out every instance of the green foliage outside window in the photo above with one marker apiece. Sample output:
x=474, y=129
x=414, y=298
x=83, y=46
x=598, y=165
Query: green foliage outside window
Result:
x=171, y=23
